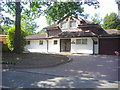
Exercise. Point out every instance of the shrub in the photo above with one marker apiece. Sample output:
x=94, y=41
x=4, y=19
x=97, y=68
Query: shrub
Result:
x=11, y=36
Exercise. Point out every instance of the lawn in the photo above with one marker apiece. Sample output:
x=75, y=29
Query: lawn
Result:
x=31, y=60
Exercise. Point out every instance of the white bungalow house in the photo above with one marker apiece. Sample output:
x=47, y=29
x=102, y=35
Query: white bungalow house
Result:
x=71, y=35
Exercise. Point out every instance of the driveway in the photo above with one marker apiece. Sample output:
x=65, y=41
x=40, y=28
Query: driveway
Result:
x=94, y=66
x=84, y=71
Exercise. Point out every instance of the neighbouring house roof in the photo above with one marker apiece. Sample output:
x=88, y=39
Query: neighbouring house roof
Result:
x=37, y=36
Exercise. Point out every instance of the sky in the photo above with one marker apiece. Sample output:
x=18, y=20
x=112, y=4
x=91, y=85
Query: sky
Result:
x=106, y=7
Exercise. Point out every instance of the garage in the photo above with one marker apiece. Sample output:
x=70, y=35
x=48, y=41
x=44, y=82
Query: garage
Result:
x=109, y=46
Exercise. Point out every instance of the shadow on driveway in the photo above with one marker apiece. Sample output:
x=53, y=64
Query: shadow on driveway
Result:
x=15, y=79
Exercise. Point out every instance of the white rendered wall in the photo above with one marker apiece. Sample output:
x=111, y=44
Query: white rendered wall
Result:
x=54, y=48
x=96, y=51
x=35, y=47
x=82, y=48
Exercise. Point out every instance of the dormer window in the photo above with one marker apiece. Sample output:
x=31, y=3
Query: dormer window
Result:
x=72, y=24
x=63, y=25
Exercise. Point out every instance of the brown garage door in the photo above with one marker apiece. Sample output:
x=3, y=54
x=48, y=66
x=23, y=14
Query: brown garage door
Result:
x=108, y=46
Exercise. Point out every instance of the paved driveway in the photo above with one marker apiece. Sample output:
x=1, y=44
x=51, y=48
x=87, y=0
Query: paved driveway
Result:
x=95, y=66
x=86, y=71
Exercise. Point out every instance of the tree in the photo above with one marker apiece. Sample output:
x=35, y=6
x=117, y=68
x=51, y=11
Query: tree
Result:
x=111, y=21
x=118, y=22
x=28, y=25
x=96, y=19
x=11, y=37
x=60, y=9
x=15, y=9
x=17, y=38
x=57, y=10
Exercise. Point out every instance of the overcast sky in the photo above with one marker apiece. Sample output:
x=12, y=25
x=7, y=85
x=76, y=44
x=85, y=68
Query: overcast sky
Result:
x=106, y=6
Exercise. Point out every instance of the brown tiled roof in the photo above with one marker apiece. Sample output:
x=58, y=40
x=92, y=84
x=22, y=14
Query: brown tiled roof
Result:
x=51, y=26
x=52, y=33
x=37, y=36
x=86, y=21
x=113, y=31
x=75, y=34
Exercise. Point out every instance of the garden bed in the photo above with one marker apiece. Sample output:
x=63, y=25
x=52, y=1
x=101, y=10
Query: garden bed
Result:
x=31, y=60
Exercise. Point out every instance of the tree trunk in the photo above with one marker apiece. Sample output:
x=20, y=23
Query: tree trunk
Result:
x=17, y=38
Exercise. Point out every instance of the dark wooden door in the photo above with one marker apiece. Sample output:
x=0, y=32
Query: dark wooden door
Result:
x=65, y=45
x=108, y=46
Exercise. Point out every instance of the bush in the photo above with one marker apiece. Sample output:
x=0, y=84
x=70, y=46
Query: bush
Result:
x=5, y=48
x=118, y=27
x=11, y=36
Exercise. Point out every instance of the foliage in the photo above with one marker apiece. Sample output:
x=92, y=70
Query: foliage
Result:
x=5, y=28
x=42, y=31
x=3, y=18
x=118, y=24
x=118, y=27
x=28, y=25
x=111, y=21
x=35, y=9
x=96, y=19
x=11, y=36
x=58, y=10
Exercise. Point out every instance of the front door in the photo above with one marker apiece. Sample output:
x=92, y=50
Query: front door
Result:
x=65, y=45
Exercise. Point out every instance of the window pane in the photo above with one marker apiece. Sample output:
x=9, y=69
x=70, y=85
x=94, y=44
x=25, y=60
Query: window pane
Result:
x=84, y=41
x=55, y=41
x=41, y=42
x=63, y=25
x=78, y=41
x=72, y=23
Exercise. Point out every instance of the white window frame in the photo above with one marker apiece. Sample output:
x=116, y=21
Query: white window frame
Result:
x=79, y=41
x=65, y=25
x=82, y=41
x=75, y=24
